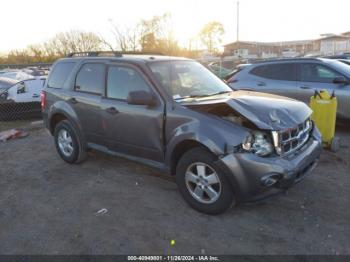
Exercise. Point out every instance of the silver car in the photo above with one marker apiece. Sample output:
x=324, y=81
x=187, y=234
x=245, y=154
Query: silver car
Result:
x=297, y=78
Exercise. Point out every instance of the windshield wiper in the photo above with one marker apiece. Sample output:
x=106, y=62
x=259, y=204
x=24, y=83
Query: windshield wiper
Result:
x=206, y=95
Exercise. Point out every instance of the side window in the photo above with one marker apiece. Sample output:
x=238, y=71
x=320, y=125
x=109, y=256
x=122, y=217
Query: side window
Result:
x=286, y=72
x=91, y=79
x=122, y=80
x=258, y=71
x=317, y=73
x=60, y=74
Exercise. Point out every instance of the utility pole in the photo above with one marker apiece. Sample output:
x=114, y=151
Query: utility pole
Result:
x=237, y=21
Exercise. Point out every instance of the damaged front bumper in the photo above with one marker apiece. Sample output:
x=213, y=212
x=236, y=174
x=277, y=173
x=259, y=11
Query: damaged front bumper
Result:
x=255, y=177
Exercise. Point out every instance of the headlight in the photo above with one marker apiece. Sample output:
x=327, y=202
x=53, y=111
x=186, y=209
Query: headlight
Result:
x=258, y=143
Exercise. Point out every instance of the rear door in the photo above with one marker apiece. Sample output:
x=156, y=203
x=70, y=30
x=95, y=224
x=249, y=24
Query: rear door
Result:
x=85, y=99
x=278, y=78
x=131, y=129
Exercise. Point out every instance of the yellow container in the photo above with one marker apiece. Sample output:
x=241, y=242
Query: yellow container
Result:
x=324, y=115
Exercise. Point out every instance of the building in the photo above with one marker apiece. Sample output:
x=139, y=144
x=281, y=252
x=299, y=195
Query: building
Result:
x=335, y=44
x=326, y=45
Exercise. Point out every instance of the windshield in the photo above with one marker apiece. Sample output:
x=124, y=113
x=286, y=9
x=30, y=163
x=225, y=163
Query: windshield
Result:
x=184, y=79
x=341, y=67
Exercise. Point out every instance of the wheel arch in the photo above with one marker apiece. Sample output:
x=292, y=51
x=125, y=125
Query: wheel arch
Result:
x=55, y=119
x=180, y=149
x=62, y=111
x=60, y=116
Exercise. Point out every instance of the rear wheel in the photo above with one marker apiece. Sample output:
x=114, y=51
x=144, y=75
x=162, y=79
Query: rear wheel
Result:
x=202, y=184
x=68, y=144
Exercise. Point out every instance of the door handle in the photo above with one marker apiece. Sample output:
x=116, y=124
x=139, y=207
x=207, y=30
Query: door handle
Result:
x=112, y=110
x=305, y=87
x=73, y=100
x=35, y=96
x=260, y=83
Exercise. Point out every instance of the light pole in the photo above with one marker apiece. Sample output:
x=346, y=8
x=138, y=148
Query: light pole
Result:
x=237, y=21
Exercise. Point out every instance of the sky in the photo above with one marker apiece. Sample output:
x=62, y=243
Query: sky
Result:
x=24, y=22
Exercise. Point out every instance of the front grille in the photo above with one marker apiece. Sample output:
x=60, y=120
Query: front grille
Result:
x=288, y=141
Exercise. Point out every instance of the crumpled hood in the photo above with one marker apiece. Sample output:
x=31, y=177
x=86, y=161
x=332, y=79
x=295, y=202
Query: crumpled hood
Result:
x=266, y=111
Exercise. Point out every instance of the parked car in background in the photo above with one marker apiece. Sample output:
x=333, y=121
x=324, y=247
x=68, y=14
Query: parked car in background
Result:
x=297, y=78
x=24, y=91
x=223, y=147
x=22, y=99
x=36, y=71
x=345, y=61
x=17, y=75
x=342, y=56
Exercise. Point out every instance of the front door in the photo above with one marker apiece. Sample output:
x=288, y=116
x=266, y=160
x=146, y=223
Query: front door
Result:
x=131, y=129
x=315, y=77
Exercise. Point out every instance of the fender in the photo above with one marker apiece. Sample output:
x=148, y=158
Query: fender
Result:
x=61, y=107
x=210, y=133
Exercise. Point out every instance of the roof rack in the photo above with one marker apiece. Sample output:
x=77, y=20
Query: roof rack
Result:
x=283, y=59
x=110, y=53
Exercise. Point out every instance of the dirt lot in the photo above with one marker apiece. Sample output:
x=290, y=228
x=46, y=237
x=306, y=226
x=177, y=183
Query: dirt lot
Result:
x=50, y=207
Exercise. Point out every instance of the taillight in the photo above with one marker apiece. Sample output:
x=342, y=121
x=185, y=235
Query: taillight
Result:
x=43, y=99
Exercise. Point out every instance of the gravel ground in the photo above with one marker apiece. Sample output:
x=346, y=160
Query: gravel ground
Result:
x=50, y=207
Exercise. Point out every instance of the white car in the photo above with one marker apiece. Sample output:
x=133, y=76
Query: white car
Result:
x=17, y=75
x=26, y=91
x=6, y=82
x=21, y=100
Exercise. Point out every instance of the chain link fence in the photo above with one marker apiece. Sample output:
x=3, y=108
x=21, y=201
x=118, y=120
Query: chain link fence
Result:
x=14, y=111
x=11, y=111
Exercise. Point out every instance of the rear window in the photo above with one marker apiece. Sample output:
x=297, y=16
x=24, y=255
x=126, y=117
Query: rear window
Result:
x=232, y=74
x=285, y=72
x=91, y=79
x=60, y=74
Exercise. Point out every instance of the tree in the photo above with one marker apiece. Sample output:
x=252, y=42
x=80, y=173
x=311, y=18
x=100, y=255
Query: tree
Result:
x=157, y=35
x=126, y=38
x=211, y=35
x=73, y=41
x=59, y=46
x=148, y=35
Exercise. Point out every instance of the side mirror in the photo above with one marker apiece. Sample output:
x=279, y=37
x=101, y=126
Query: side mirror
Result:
x=340, y=80
x=141, y=97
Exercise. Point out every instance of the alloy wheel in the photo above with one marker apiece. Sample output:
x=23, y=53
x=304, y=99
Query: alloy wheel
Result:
x=203, y=183
x=65, y=142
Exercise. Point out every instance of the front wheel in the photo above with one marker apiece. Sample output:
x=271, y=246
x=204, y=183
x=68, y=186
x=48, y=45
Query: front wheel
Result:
x=202, y=184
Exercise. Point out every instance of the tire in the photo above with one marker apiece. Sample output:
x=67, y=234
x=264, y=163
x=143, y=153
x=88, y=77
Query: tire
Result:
x=195, y=162
x=77, y=151
x=335, y=145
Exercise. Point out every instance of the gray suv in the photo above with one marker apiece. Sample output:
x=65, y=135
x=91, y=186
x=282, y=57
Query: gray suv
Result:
x=224, y=147
x=298, y=79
